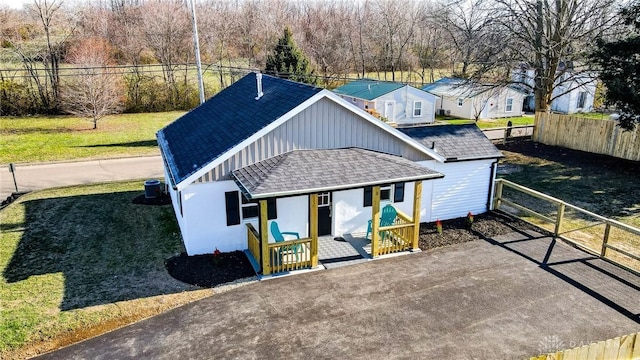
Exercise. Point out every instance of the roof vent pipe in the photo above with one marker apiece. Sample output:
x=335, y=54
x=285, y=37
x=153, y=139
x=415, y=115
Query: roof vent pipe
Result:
x=259, y=84
x=433, y=146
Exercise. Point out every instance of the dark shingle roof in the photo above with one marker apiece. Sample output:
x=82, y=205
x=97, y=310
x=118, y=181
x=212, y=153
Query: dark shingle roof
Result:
x=367, y=89
x=225, y=120
x=307, y=171
x=455, y=142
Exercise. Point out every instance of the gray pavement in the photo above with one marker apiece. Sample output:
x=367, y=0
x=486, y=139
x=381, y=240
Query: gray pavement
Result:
x=42, y=176
x=508, y=298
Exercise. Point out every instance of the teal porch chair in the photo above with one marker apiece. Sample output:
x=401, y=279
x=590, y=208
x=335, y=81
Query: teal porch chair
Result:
x=387, y=218
x=279, y=237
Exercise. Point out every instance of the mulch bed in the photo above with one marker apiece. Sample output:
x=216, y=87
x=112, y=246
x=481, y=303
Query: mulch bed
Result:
x=457, y=231
x=203, y=271
x=160, y=200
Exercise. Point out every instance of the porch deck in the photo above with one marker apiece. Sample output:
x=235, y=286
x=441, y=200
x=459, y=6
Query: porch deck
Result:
x=355, y=249
x=334, y=253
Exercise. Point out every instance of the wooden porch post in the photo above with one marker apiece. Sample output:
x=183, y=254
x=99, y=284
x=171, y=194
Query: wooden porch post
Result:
x=375, y=220
x=417, y=196
x=313, y=228
x=264, y=238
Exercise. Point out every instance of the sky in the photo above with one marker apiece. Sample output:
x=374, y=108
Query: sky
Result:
x=14, y=4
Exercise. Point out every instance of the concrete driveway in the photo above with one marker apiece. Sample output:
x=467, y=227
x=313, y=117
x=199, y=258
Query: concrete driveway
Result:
x=510, y=298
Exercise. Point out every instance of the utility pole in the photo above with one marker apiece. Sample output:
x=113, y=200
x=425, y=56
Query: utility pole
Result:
x=196, y=45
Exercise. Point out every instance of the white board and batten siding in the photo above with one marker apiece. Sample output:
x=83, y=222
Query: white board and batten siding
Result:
x=324, y=125
x=464, y=188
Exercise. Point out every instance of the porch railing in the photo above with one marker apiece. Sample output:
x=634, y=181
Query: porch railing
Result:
x=397, y=237
x=253, y=239
x=290, y=255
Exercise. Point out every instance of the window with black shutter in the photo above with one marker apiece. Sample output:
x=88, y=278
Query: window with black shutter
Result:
x=386, y=192
x=233, y=207
x=250, y=208
x=398, y=192
x=272, y=210
x=368, y=196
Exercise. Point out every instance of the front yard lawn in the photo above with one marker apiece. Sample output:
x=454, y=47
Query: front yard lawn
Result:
x=491, y=123
x=79, y=261
x=54, y=138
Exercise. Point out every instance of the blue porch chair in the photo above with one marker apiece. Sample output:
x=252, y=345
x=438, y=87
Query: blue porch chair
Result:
x=387, y=218
x=279, y=237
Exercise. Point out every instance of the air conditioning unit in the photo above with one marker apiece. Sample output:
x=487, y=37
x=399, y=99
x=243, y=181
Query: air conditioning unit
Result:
x=440, y=112
x=448, y=112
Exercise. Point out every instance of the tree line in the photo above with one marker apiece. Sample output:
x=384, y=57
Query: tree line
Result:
x=143, y=49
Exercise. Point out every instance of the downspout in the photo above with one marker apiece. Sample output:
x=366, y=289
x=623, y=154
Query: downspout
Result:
x=492, y=181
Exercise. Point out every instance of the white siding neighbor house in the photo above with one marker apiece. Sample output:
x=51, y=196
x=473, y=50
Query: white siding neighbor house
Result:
x=267, y=150
x=398, y=104
x=466, y=100
x=574, y=92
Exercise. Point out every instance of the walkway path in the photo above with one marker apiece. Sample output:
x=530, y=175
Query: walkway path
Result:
x=37, y=177
x=508, y=298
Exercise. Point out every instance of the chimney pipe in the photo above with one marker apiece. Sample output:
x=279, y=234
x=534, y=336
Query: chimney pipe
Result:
x=259, y=84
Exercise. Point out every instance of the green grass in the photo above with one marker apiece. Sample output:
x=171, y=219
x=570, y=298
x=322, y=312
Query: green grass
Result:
x=487, y=124
x=52, y=138
x=79, y=261
x=593, y=115
x=598, y=184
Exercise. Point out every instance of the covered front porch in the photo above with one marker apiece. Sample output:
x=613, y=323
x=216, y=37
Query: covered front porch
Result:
x=328, y=170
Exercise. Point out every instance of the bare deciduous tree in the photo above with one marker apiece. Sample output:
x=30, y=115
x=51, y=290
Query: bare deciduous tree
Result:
x=95, y=92
x=551, y=37
x=167, y=29
x=57, y=28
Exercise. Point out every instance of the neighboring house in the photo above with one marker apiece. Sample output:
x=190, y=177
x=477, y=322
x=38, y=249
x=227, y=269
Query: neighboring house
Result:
x=399, y=104
x=574, y=92
x=467, y=100
x=267, y=149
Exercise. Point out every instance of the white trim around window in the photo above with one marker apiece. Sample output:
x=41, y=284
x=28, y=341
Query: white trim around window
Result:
x=460, y=102
x=417, y=108
x=509, y=105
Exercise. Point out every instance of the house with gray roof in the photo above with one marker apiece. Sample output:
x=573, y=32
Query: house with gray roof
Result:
x=471, y=100
x=267, y=152
x=398, y=104
x=469, y=167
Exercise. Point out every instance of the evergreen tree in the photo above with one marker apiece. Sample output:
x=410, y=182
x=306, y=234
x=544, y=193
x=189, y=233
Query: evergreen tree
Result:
x=288, y=61
x=619, y=63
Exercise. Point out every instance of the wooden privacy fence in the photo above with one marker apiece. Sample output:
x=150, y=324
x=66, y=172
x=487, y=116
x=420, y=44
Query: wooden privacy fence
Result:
x=621, y=348
x=591, y=135
x=607, y=238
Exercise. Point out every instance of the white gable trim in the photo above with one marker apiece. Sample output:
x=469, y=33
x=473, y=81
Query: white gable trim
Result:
x=381, y=124
x=419, y=92
x=284, y=118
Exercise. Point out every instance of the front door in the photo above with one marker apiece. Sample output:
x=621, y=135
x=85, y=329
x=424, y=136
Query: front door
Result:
x=389, y=110
x=324, y=214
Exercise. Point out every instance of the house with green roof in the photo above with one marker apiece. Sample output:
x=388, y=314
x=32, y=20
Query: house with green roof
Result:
x=397, y=104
